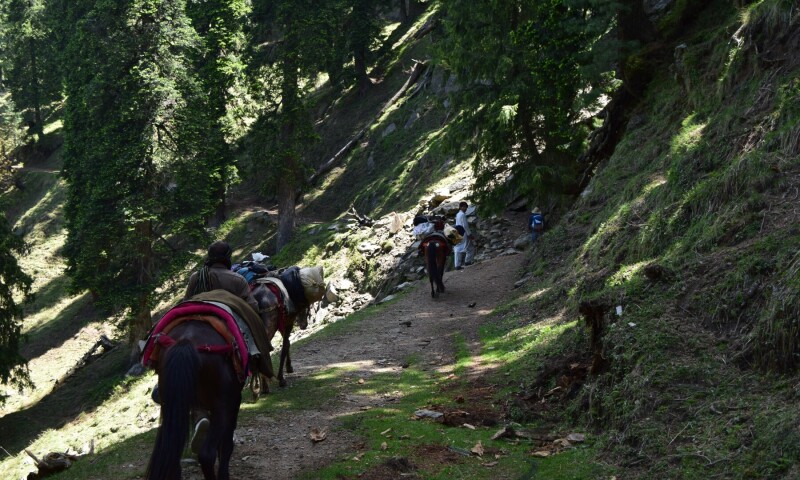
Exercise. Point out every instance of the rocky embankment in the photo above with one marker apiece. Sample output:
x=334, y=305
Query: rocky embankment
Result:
x=389, y=249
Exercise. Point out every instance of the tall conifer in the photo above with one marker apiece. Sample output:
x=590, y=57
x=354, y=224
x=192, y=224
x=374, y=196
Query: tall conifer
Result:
x=523, y=70
x=133, y=191
x=291, y=45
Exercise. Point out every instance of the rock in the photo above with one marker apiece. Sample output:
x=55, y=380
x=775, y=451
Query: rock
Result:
x=413, y=118
x=509, y=251
x=371, y=160
x=522, y=242
x=422, y=413
x=391, y=128
x=403, y=286
x=136, y=370
x=446, y=209
x=331, y=294
x=387, y=298
x=344, y=284
x=439, y=196
x=437, y=80
x=368, y=248
x=452, y=84
x=396, y=222
x=656, y=9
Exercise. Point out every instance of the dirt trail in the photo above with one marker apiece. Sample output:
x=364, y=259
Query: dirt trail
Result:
x=380, y=343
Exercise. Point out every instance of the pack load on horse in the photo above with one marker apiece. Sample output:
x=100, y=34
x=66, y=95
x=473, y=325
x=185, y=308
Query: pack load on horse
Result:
x=251, y=271
x=436, y=247
x=203, y=350
x=285, y=298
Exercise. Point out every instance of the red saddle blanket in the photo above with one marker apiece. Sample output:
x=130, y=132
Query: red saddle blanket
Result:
x=217, y=317
x=435, y=236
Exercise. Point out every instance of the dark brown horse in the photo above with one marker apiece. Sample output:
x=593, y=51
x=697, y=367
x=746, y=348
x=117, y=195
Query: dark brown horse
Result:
x=436, y=250
x=274, y=313
x=195, y=372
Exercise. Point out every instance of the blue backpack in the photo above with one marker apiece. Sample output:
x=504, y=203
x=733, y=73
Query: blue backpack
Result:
x=537, y=222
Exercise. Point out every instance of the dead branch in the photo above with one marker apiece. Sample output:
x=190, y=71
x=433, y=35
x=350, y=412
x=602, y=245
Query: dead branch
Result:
x=364, y=221
x=416, y=71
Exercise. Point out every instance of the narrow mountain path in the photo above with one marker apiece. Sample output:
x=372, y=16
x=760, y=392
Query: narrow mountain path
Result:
x=280, y=448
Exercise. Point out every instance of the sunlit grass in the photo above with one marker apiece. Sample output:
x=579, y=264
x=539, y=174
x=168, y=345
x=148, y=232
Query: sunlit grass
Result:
x=53, y=126
x=127, y=413
x=690, y=135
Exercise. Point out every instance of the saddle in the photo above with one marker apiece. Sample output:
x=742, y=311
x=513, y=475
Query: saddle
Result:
x=221, y=320
x=276, y=301
x=231, y=317
x=435, y=236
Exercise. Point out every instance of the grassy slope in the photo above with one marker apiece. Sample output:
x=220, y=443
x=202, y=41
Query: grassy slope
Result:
x=702, y=185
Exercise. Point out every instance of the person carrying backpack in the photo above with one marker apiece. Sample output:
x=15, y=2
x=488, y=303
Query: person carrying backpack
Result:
x=536, y=224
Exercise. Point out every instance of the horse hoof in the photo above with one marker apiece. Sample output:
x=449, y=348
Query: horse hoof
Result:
x=289, y=369
x=282, y=382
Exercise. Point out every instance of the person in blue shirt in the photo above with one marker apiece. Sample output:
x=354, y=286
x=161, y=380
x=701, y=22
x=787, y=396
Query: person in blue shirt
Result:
x=536, y=224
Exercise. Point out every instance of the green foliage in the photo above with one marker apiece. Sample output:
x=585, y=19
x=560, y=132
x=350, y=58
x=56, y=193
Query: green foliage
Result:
x=13, y=281
x=11, y=132
x=134, y=191
x=527, y=70
x=290, y=44
x=216, y=60
x=30, y=57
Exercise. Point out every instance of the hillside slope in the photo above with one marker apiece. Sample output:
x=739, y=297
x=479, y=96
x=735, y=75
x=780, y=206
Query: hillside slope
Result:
x=680, y=258
x=658, y=313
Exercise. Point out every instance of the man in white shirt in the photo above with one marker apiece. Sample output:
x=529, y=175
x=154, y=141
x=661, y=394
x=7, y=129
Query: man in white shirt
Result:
x=464, y=251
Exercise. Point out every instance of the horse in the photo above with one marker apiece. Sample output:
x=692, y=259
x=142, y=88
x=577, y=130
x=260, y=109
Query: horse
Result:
x=436, y=249
x=195, y=372
x=277, y=320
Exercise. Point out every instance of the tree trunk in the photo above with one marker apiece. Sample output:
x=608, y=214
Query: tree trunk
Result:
x=288, y=184
x=38, y=127
x=219, y=214
x=141, y=326
x=287, y=198
x=142, y=317
x=360, y=67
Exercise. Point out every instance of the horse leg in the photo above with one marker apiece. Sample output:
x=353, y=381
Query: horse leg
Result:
x=231, y=415
x=284, y=356
x=430, y=260
x=208, y=452
x=440, y=278
x=289, y=368
x=264, y=384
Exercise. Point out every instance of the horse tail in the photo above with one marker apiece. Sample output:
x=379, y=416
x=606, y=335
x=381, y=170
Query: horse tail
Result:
x=433, y=269
x=178, y=391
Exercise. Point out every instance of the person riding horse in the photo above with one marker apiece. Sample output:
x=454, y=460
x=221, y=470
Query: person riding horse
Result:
x=215, y=274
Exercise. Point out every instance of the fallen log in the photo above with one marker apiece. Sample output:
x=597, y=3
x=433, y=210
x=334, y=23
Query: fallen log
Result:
x=54, y=462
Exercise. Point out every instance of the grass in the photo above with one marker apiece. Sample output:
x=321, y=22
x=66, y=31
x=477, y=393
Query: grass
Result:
x=695, y=379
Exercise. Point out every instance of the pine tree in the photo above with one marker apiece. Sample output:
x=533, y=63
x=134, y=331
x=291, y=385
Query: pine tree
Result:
x=217, y=63
x=133, y=188
x=30, y=65
x=523, y=67
x=13, y=367
x=291, y=44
